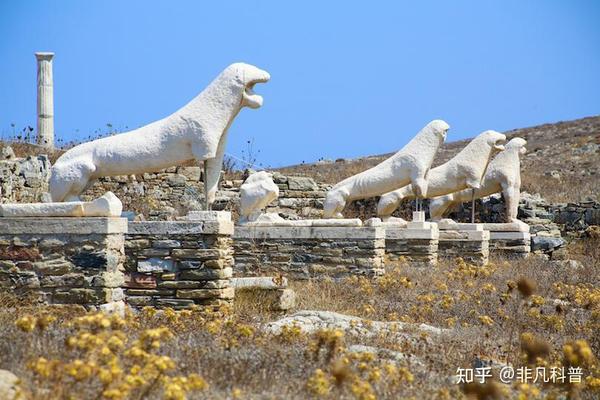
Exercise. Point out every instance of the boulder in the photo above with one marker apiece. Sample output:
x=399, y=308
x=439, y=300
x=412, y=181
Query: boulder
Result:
x=311, y=321
x=546, y=244
x=7, y=153
x=9, y=385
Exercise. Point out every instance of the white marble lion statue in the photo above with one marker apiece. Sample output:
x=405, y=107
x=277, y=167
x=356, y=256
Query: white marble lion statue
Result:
x=465, y=170
x=502, y=175
x=198, y=132
x=409, y=165
x=256, y=193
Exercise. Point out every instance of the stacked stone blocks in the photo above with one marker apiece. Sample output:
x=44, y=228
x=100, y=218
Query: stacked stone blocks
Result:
x=179, y=264
x=470, y=245
x=309, y=252
x=63, y=260
x=417, y=245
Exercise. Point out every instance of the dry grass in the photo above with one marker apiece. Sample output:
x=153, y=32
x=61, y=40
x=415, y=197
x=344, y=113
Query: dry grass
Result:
x=227, y=354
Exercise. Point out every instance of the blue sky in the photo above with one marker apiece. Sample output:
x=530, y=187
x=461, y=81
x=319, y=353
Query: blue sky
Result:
x=348, y=78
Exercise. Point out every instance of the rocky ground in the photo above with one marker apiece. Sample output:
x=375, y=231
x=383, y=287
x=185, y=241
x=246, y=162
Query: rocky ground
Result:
x=402, y=336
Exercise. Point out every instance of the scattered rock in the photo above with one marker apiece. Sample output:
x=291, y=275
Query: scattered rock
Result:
x=546, y=244
x=7, y=153
x=9, y=385
x=310, y=321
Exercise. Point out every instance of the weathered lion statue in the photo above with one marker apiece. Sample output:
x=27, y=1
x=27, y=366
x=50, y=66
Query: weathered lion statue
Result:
x=465, y=170
x=198, y=131
x=409, y=165
x=502, y=175
x=257, y=191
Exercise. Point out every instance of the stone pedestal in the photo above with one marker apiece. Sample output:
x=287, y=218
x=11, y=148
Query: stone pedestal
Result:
x=63, y=260
x=467, y=241
x=303, y=252
x=180, y=264
x=509, y=239
x=416, y=243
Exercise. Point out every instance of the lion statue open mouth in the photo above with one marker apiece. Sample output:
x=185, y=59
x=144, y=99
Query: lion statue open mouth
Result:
x=198, y=131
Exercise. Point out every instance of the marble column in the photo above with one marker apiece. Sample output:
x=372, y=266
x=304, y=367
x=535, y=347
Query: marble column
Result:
x=45, y=100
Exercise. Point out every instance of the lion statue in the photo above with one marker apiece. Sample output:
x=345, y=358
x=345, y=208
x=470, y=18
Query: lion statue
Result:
x=502, y=175
x=198, y=131
x=256, y=193
x=465, y=170
x=409, y=165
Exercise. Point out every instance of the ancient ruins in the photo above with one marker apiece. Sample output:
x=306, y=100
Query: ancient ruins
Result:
x=96, y=254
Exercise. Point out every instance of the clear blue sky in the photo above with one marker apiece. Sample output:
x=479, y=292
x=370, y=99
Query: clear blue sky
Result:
x=348, y=78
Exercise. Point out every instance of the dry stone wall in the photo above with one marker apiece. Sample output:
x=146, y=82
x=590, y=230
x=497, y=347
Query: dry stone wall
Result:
x=471, y=246
x=418, y=246
x=179, y=264
x=175, y=191
x=309, y=252
x=24, y=180
x=63, y=260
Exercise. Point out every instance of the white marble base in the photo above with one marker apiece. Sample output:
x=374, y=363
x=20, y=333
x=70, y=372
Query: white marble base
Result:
x=272, y=219
x=510, y=235
x=259, y=282
x=217, y=216
x=429, y=232
x=108, y=205
x=464, y=235
x=517, y=226
x=418, y=216
x=448, y=224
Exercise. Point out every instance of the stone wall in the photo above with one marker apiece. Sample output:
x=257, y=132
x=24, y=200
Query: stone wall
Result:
x=418, y=246
x=173, y=192
x=510, y=244
x=24, y=180
x=471, y=246
x=63, y=260
x=179, y=264
x=177, y=190
x=305, y=252
x=546, y=219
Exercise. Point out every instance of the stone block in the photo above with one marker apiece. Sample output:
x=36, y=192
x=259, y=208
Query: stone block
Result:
x=153, y=252
x=198, y=254
x=225, y=293
x=70, y=279
x=174, y=303
x=261, y=282
x=301, y=183
x=166, y=244
x=206, y=274
x=109, y=279
x=63, y=225
x=150, y=292
x=137, y=244
x=156, y=265
x=168, y=228
x=53, y=267
x=140, y=301
x=307, y=232
x=546, y=243
x=87, y=296
x=141, y=281
x=189, y=284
